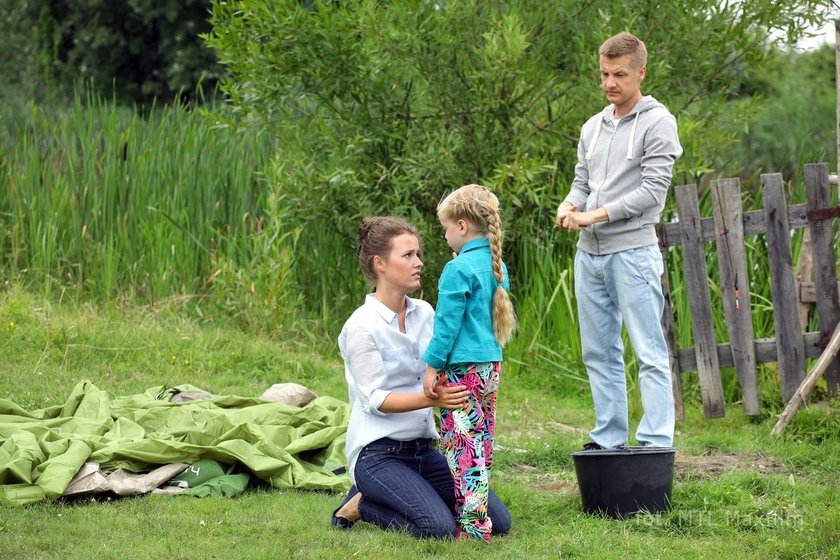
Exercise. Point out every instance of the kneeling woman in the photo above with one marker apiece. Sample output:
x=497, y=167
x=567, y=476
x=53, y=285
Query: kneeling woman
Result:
x=401, y=481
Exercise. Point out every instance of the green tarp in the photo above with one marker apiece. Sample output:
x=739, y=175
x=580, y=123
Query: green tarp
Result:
x=286, y=446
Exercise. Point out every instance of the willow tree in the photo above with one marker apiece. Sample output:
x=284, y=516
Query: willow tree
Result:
x=383, y=106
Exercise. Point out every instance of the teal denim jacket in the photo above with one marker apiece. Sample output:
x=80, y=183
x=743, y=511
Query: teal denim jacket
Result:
x=464, y=313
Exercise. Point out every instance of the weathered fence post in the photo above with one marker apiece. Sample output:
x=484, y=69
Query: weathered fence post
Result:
x=732, y=260
x=789, y=342
x=825, y=269
x=696, y=279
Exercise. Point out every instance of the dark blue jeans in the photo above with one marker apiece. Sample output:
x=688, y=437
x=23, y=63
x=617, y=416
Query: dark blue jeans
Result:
x=407, y=485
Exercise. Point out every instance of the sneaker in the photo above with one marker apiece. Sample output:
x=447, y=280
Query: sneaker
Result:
x=592, y=446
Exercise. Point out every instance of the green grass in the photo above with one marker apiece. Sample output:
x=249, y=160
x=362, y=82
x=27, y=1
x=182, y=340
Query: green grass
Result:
x=776, y=497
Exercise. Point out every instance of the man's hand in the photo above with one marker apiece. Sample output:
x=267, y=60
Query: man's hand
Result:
x=576, y=220
x=562, y=212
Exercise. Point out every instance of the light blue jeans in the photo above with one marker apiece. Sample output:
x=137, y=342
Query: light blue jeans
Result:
x=611, y=289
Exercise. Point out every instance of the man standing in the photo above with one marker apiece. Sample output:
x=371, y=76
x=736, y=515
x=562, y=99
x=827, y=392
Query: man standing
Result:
x=625, y=157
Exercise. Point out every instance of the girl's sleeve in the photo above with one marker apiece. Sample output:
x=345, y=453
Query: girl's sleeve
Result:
x=453, y=289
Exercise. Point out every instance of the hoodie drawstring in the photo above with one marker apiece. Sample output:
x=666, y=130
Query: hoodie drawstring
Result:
x=595, y=136
x=632, y=137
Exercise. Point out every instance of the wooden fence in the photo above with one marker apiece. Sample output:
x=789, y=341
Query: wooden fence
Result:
x=790, y=347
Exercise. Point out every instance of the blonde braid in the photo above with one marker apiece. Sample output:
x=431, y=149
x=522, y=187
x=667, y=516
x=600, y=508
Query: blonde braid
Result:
x=504, y=317
x=494, y=233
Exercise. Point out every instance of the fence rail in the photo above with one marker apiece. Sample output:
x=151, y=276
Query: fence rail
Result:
x=727, y=228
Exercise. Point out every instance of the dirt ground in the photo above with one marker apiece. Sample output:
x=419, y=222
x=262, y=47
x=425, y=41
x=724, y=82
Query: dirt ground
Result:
x=714, y=464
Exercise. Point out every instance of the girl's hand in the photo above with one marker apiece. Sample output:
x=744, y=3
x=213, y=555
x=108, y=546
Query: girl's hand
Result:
x=429, y=382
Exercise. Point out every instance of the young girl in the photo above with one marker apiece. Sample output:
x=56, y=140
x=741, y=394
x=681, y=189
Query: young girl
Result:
x=473, y=321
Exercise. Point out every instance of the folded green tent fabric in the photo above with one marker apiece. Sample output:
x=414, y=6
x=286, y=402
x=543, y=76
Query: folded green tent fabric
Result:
x=226, y=486
x=286, y=446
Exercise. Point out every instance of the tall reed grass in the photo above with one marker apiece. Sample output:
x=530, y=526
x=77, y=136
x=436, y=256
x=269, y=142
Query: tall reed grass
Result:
x=102, y=201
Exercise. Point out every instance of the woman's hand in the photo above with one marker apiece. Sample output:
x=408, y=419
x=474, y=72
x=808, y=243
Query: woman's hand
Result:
x=451, y=396
x=441, y=394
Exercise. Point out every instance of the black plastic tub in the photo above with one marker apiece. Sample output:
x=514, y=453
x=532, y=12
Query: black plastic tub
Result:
x=624, y=481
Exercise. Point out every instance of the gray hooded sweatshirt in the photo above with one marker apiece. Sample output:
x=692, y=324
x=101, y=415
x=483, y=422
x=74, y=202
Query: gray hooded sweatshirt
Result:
x=626, y=169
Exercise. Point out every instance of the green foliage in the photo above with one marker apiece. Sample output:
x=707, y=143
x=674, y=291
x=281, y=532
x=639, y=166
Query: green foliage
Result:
x=139, y=50
x=254, y=282
x=797, y=94
x=817, y=423
x=383, y=108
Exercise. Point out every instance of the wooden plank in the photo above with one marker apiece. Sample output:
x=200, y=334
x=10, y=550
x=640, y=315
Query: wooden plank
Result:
x=807, y=386
x=735, y=284
x=754, y=224
x=670, y=233
x=825, y=267
x=782, y=287
x=804, y=273
x=671, y=339
x=808, y=292
x=765, y=352
x=696, y=280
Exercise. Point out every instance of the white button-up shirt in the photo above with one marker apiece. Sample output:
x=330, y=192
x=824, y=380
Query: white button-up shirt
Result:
x=379, y=359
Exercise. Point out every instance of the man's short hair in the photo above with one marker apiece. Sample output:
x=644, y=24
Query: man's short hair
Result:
x=623, y=44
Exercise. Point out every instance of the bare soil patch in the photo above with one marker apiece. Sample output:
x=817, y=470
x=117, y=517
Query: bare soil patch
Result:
x=715, y=464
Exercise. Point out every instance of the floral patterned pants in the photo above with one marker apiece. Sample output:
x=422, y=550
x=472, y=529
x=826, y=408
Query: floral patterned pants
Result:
x=467, y=443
